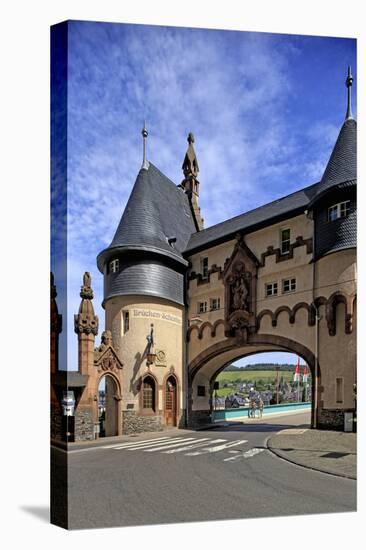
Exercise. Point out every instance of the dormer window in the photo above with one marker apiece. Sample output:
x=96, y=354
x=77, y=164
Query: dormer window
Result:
x=285, y=241
x=114, y=266
x=340, y=210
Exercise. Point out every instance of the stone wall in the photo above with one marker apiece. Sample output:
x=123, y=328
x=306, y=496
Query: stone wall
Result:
x=84, y=427
x=134, y=423
x=199, y=418
x=331, y=419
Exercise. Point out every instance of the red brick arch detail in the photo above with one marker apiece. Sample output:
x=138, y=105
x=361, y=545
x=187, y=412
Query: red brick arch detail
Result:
x=309, y=309
x=288, y=310
x=263, y=314
x=331, y=312
x=200, y=329
x=215, y=325
x=190, y=330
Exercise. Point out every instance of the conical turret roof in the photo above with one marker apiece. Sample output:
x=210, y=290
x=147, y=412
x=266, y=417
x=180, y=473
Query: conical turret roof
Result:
x=341, y=170
x=157, y=218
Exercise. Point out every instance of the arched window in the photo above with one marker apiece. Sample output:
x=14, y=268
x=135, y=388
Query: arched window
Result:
x=148, y=394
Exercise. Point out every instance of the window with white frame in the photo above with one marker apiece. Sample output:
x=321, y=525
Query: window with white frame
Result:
x=202, y=307
x=340, y=210
x=215, y=303
x=114, y=266
x=288, y=285
x=285, y=241
x=204, y=268
x=271, y=289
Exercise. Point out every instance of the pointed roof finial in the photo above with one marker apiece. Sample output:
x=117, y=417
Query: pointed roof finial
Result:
x=349, y=82
x=190, y=164
x=145, y=162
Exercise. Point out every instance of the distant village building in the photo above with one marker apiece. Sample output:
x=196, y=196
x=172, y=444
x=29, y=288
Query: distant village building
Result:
x=182, y=301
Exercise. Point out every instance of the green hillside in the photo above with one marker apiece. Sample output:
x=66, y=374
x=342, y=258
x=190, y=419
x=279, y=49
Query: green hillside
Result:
x=242, y=376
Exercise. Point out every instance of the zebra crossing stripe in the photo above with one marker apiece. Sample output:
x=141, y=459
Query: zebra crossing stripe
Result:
x=193, y=445
x=218, y=448
x=161, y=443
x=252, y=452
x=168, y=445
x=135, y=443
x=247, y=454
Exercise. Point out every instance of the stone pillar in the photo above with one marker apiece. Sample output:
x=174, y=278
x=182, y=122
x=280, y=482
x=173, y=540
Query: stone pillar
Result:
x=86, y=327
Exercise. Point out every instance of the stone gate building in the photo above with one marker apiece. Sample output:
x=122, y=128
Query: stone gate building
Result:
x=183, y=302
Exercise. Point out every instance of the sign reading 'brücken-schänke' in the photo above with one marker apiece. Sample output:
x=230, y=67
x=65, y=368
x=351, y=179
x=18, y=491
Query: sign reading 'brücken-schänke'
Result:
x=153, y=314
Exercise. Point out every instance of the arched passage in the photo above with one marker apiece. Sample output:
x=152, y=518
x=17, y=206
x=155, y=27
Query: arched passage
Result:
x=109, y=406
x=204, y=368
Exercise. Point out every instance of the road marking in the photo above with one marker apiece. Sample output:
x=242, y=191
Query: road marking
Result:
x=194, y=445
x=163, y=444
x=132, y=443
x=247, y=454
x=173, y=444
x=218, y=448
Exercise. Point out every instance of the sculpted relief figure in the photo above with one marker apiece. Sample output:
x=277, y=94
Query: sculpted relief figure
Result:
x=240, y=293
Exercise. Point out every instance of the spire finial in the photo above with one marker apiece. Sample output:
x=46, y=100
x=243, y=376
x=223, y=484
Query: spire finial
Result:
x=190, y=164
x=86, y=291
x=145, y=162
x=349, y=82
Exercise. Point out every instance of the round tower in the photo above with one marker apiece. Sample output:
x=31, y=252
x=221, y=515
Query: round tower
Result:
x=334, y=211
x=144, y=299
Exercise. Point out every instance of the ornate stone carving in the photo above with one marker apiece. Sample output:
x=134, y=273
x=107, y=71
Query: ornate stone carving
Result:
x=239, y=276
x=160, y=358
x=86, y=322
x=109, y=362
x=86, y=290
x=105, y=357
x=239, y=288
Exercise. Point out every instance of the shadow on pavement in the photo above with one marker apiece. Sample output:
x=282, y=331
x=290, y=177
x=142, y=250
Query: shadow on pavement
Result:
x=245, y=427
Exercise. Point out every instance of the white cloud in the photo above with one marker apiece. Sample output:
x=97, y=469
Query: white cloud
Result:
x=233, y=90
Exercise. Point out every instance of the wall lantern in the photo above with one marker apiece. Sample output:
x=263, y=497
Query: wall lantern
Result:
x=68, y=403
x=150, y=355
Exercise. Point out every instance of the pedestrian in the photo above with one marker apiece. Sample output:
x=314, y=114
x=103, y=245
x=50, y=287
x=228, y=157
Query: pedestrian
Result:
x=261, y=407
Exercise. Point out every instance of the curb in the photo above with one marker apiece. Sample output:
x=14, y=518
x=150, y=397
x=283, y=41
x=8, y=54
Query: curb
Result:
x=291, y=461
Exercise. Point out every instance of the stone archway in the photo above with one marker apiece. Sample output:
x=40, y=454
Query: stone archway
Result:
x=215, y=358
x=108, y=412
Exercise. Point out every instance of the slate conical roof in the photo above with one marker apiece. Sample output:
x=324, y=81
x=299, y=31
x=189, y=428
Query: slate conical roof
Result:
x=341, y=170
x=157, y=210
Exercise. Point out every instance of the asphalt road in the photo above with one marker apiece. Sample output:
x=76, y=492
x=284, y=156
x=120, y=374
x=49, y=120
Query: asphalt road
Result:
x=185, y=476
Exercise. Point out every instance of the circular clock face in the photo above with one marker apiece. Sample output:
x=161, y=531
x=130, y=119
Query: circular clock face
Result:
x=160, y=355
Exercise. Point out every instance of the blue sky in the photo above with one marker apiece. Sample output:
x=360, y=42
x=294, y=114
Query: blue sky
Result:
x=265, y=110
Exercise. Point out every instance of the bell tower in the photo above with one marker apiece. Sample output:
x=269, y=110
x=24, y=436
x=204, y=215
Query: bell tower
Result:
x=190, y=183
